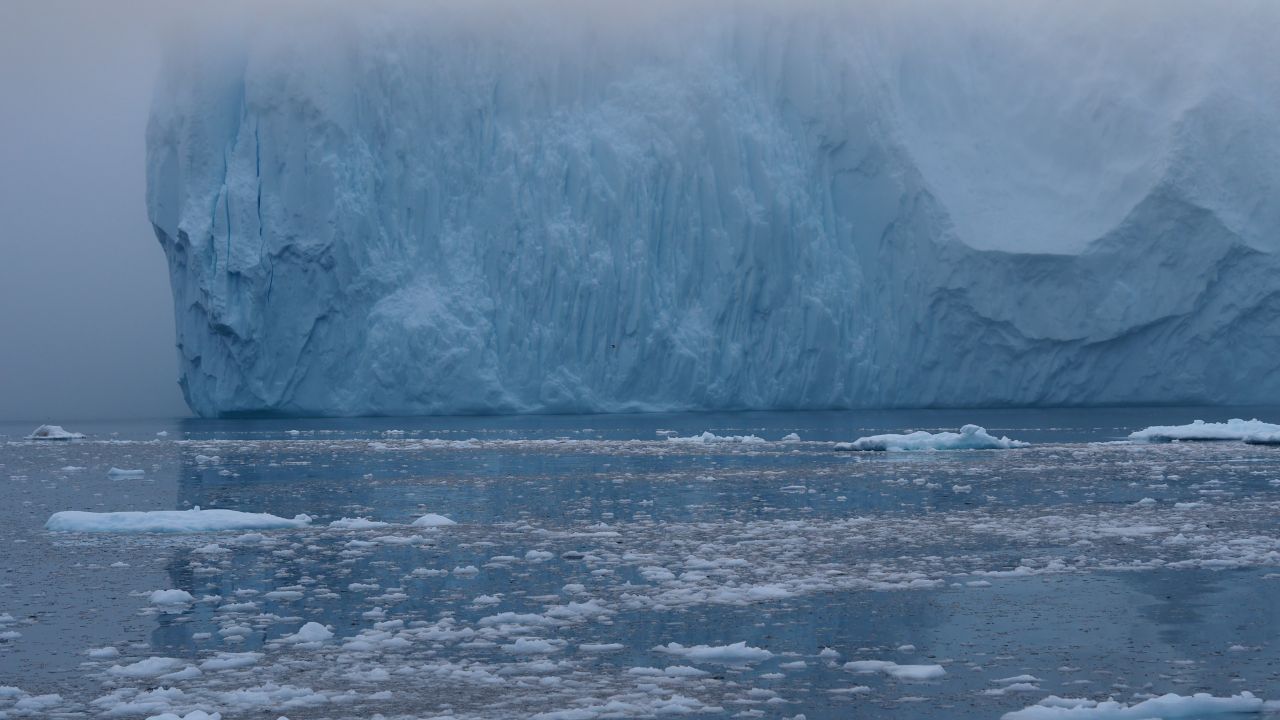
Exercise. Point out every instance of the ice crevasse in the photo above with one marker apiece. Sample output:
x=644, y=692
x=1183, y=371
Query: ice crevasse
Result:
x=714, y=205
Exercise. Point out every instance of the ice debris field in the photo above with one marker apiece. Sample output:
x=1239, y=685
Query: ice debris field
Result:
x=604, y=568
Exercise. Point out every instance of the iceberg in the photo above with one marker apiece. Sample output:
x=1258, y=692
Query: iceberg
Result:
x=53, y=432
x=1233, y=429
x=169, y=521
x=970, y=437
x=418, y=209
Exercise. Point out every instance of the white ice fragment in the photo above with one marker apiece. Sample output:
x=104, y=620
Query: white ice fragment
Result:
x=357, y=524
x=168, y=521
x=733, y=654
x=1233, y=429
x=116, y=472
x=53, y=432
x=148, y=668
x=312, y=633
x=708, y=438
x=970, y=437
x=171, y=597
x=433, y=520
x=894, y=670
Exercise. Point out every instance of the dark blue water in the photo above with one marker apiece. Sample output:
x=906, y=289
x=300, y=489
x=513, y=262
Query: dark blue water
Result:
x=993, y=564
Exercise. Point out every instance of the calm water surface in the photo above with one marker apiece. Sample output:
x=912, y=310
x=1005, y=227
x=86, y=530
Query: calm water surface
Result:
x=586, y=545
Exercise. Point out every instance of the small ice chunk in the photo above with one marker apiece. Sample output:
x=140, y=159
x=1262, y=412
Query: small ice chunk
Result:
x=357, y=524
x=896, y=671
x=148, y=668
x=168, y=521
x=970, y=437
x=53, y=432
x=708, y=438
x=1233, y=429
x=171, y=597
x=733, y=654
x=433, y=520
x=313, y=633
x=116, y=472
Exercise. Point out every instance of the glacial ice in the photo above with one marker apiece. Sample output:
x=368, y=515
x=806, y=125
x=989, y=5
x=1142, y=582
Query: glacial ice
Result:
x=1233, y=429
x=168, y=521
x=53, y=432
x=970, y=437
x=419, y=209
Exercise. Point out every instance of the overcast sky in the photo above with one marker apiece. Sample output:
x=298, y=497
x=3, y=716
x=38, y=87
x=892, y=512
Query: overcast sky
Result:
x=86, y=318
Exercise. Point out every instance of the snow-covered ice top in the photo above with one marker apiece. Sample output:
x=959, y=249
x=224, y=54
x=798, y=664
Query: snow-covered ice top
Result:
x=416, y=209
x=1233, y=429
x=169, y=521
x=53, y=432
x=970, y=437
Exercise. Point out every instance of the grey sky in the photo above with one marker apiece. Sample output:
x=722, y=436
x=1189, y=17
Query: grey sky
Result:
x=86, y=319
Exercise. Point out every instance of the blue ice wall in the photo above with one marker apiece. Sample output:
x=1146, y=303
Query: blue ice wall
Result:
x=721, y=205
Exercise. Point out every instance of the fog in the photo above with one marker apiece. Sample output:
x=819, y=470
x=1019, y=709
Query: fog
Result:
x=86, y=318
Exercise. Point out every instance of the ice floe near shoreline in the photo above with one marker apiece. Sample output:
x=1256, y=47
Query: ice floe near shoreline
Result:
x=169, y=521
x=1233, y=429
x=970, y=437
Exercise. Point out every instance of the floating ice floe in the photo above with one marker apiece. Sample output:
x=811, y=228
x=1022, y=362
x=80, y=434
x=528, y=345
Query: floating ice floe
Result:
x=311, y=634
x=970, y=437
x=53, y=432
x=896, y=671
x=116, y=472
x=1165, y=707
x=708, y=438
x=169, y=521
x=357, y=524
x=433, y=520
x=734, y=654
x=1233, y=429
x=170, y=598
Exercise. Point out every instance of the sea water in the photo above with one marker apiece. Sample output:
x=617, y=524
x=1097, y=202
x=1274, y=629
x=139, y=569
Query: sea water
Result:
x=591, y=553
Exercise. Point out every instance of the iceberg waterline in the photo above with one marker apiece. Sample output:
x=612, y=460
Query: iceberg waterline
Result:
x=740, y=205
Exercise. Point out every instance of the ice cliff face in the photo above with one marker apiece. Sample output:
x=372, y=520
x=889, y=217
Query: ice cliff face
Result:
x=723, y=206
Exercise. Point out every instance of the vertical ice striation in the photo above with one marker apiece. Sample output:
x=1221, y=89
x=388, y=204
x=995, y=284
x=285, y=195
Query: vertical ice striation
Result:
x=580, y=207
